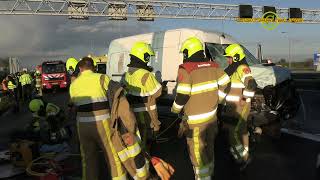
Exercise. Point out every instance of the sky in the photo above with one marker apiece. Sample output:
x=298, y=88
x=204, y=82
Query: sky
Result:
x=36, y=38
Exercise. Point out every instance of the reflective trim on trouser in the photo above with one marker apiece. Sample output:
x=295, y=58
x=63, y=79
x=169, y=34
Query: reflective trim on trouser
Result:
x=200, y=140
x=121, y=177
x=92, y=135
x=237, y=131
x=142, y=109
x=204, y=172
x=239, y=152
x=119, y=169
x=142, y=172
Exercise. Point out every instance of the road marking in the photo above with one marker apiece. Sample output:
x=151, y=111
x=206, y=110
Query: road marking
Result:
x=313, y=137
x=306, y=90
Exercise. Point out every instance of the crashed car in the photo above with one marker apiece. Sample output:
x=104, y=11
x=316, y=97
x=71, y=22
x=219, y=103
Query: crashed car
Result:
x=276, y=98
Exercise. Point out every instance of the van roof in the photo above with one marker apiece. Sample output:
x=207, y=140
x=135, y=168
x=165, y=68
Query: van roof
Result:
x=179, y=29
x=126, y=43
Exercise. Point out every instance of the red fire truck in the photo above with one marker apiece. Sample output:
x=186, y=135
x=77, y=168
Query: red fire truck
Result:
x=54, y=75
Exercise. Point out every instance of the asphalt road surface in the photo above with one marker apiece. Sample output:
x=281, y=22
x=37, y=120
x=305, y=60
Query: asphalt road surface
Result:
x=285, y=158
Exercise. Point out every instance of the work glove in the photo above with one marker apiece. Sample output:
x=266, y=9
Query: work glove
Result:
x=163, y=169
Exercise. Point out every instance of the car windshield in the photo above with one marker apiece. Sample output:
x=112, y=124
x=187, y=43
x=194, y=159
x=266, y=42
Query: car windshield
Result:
x=53, y=68
x=216, y=51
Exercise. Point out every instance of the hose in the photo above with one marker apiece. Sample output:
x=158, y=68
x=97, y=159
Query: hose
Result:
x=163, y=140
x=30, y=165
x=50, y=161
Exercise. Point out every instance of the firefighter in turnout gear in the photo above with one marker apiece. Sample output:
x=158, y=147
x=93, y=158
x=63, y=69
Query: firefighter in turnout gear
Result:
x=48, y=121
x=72, y=68
x=238, y=101
x=38, y=82
x=200, y=87
x=142, y=91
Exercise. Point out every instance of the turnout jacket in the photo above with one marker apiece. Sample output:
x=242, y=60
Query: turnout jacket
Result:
x=200, y=87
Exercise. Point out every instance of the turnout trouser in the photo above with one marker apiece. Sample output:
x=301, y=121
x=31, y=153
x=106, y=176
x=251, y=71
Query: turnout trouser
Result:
x=236, y=122
x=91, y=136
x=146, y=127
x=14, y=96
x=200, y=140
x=26, y=92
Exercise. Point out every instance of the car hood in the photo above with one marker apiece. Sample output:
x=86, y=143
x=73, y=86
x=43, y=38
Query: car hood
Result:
x=269, y=75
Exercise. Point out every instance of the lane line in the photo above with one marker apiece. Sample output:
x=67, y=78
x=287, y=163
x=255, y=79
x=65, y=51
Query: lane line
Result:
x=313, y=137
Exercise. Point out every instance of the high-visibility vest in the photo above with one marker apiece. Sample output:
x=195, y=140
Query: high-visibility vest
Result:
x=240, y=84
x=11, y=86
x=25, y=79
x=90, y=97
x=141, y=83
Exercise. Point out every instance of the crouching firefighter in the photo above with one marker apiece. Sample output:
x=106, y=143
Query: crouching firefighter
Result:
x=238, y=102
x=123, y=128
x=48, y=121
x=200, y=87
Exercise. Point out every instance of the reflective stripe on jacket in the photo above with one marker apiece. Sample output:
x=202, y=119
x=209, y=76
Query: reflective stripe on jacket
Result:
x=38, y=81
x=11, y=86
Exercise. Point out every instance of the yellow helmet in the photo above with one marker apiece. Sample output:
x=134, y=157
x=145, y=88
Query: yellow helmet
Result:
x=71, y=62
x=235, y=51
x=94, y=59
x=192, y=45
x=143, y=51
x=35, y=105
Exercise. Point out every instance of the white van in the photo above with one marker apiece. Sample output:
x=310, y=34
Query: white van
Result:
x=166, y=45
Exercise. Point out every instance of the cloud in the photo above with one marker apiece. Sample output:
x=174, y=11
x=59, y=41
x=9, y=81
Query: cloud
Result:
x=34, y=38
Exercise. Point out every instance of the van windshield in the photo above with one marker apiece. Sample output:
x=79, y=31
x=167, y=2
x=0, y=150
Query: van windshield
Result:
x=216, y=51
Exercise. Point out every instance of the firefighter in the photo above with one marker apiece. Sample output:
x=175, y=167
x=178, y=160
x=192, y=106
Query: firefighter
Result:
x=142, y=91
x=13, y=91
x=26, y=80
x=4, y=85
x=38, y=84
x=48, y=120
x=238, y=101
x=91, y=95
x=200, y=87
x=72, y=69
x=18, y=84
